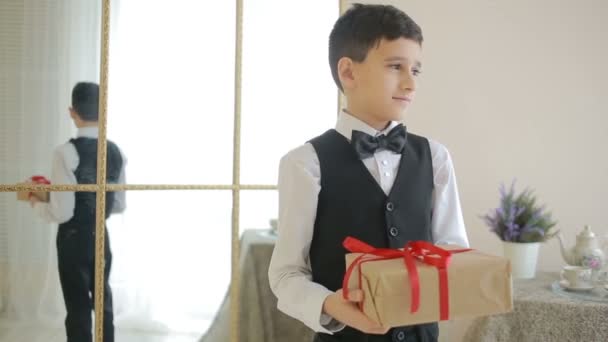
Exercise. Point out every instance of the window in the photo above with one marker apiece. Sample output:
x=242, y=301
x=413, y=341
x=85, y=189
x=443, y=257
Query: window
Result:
x=171, y=108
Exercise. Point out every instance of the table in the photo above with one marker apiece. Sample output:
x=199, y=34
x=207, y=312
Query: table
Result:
x=540, y=314
x=259, y=318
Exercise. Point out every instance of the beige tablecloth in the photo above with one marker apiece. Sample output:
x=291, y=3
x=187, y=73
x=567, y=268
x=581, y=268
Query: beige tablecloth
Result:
x=260, y=320
x=542, y=315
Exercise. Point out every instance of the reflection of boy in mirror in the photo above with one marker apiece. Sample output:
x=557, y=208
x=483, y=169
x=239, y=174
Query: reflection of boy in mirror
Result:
x=75, y=162
x=368, y=178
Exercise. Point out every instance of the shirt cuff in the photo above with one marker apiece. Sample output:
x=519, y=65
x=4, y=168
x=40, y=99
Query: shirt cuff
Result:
x=310, y=312
x=330, y=324
x=326, y=323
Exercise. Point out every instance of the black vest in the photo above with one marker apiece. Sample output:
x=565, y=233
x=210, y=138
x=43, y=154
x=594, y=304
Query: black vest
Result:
x=86, y=173
x=352, y=203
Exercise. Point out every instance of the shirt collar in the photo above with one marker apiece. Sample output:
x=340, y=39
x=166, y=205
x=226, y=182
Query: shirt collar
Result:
x=347, y=123
x=88, y=132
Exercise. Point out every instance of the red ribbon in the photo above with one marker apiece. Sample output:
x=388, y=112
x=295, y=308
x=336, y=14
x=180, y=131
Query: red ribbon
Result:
x=38, y=180
x=414, y=250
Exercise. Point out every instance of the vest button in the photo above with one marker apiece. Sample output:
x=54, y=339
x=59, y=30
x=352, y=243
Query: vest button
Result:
x=394, y=231
x=399, y=335
x=390, y=206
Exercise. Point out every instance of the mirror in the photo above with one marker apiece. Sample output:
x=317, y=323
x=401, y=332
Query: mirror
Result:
x=169, y=271
x=171, y=90
x=46, y=49
x=46, y=267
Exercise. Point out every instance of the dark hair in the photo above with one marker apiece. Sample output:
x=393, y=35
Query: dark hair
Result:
x=85, y=100
x=363, y=26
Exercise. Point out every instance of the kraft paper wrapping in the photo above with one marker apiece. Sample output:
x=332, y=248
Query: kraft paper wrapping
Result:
x=479, y=284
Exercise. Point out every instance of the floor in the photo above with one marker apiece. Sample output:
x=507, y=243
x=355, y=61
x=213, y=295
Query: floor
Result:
x=19, y=332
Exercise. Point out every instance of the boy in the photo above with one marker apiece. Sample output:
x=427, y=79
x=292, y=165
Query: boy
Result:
x=75, y=162
x=368, y=178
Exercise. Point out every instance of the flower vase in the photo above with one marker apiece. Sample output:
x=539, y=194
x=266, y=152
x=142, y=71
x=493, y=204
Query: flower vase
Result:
x=523, y=257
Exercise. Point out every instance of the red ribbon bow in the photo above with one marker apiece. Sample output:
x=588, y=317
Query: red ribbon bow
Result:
x=38, y=180
x=414, y=250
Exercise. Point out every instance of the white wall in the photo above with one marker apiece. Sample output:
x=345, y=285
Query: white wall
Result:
x=515, y=89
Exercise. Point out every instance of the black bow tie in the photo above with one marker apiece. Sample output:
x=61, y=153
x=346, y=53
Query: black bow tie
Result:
x=366, y=145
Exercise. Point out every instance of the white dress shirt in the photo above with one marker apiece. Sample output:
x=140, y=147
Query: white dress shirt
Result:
x=60, y=207
x=290, y=274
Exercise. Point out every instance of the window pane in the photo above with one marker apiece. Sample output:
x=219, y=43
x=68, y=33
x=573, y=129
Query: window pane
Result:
x=258, y=207
x=172, y=260
x=171, y=96
x=289, y=95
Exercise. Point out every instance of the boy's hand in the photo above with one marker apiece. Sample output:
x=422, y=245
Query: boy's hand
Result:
x=33, y=200
x=347, y=312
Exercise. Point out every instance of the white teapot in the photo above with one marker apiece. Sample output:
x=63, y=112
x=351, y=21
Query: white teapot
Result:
x=586, y=252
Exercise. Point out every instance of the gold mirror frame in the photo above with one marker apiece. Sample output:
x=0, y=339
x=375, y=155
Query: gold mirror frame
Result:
x=101, y=187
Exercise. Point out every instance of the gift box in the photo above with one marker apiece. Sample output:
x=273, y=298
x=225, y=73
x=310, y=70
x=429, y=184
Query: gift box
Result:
x=23, y=195
x=42, y=195
x=424, y=283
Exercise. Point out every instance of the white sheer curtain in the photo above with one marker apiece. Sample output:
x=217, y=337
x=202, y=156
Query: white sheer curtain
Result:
x=47, y=46
x=170, y=109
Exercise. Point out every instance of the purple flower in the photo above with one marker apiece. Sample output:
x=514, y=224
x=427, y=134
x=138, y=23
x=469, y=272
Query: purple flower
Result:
x=594, y=263
x=517, y=218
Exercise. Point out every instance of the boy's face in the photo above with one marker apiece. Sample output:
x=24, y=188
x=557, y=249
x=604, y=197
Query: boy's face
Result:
x=384, y=84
